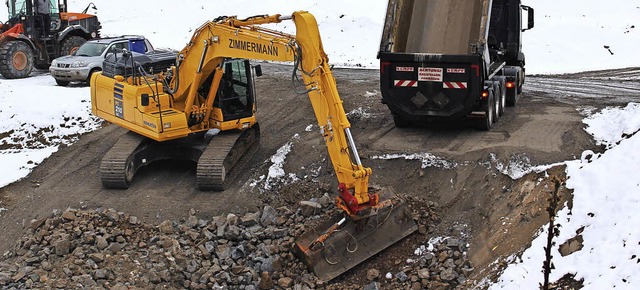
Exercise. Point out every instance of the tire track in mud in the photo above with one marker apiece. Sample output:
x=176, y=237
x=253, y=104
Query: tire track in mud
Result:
x=589, y=86
x=610, y=87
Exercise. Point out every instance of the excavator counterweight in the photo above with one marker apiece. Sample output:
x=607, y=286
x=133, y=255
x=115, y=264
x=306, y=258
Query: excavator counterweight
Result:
x=172, y=113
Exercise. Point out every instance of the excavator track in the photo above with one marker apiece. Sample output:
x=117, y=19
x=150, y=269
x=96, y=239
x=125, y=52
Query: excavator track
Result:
x=218, y=161
x=119, y=165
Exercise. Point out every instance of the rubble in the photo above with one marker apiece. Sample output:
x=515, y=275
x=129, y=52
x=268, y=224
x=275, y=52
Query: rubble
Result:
x=106, y=249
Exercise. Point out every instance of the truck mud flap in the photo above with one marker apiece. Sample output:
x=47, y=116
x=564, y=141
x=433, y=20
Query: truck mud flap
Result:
x=354, y=241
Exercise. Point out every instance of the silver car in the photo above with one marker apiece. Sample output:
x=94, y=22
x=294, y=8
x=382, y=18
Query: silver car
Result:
x=79, y=66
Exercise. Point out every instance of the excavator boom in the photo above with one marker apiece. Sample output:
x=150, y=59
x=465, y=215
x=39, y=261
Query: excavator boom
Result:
x=189, y=99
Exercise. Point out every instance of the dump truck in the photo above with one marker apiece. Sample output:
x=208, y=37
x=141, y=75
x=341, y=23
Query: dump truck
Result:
x=452, y=60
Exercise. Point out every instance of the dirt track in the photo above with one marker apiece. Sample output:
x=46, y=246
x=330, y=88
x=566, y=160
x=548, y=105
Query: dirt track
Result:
x=497, y=214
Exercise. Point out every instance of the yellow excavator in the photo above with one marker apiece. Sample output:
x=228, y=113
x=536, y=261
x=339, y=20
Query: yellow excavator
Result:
x=201, y=106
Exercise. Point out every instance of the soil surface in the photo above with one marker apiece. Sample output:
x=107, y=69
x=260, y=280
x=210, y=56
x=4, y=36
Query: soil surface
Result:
x=465, y=182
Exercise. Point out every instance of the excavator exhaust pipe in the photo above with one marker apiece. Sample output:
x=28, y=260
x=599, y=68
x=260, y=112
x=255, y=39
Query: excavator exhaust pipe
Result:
x=342, y=242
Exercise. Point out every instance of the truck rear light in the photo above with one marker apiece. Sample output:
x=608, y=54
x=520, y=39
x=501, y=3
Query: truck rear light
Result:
x=484, y=95
x=510, y=85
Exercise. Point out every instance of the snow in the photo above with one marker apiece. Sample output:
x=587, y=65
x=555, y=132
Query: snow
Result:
x=519, y=166
x=608, y=126
x=606, y=191
x=427, y=159
x=277, y=173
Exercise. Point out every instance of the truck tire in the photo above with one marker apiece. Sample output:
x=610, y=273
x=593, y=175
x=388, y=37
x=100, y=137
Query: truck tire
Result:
x=496, y=101
x=16, y=60
x=484, y=124
x=71, y=44
x=520, y=80
x=503, y=98
x=512, y=98
x=400, y=122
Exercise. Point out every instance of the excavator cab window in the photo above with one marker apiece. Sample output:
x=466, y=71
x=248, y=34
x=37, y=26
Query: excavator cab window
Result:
x=235, y=91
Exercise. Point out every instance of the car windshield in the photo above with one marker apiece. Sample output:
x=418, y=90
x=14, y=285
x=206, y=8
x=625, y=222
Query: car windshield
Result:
x=91, y=49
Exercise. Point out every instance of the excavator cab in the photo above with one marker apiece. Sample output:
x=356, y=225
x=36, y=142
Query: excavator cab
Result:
x=236, y=93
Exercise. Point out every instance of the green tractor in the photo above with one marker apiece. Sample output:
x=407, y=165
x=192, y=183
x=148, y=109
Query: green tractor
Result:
x=30, y=39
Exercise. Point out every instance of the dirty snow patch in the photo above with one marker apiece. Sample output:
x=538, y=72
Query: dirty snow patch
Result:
x=519, y=165
x=16, y=164
x=276, y=172
x=308, y=129
x=427, y=159
x=429, y=247
x=359, y=114
x=369, y=94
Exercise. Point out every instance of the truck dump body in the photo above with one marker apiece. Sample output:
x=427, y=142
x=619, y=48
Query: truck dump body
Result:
x=434, y=26
x=433, y=57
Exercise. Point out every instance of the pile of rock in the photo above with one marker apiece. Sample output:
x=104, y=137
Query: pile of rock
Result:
x=106, y=249
x=109, y=249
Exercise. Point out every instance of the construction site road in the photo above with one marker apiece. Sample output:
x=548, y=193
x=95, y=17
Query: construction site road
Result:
x=467, y=173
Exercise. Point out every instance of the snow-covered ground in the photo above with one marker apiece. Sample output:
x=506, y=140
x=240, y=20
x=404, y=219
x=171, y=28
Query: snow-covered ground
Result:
x=36, y=116
x=606, y=190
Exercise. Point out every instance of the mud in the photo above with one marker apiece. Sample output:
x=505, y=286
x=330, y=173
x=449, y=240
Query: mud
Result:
x=465, y=181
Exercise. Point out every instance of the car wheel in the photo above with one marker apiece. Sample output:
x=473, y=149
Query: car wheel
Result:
x=95, y=70
x=62, y=83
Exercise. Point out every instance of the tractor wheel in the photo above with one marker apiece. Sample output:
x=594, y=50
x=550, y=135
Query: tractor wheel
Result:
x=16, y=60
x=71, y=44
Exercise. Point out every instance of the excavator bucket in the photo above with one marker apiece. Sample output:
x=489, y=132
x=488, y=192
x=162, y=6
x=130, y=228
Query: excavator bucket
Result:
x=341, y=243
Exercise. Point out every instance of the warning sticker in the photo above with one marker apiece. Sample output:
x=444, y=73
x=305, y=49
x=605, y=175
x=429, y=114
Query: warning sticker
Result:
x=430, y=74
x=455, y=70
x=404, y=68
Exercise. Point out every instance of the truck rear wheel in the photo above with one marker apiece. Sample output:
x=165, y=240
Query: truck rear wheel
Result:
x=399, y=122
x=502, y=95
x=16, y=60
x=512, y=96
x=487, y=121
